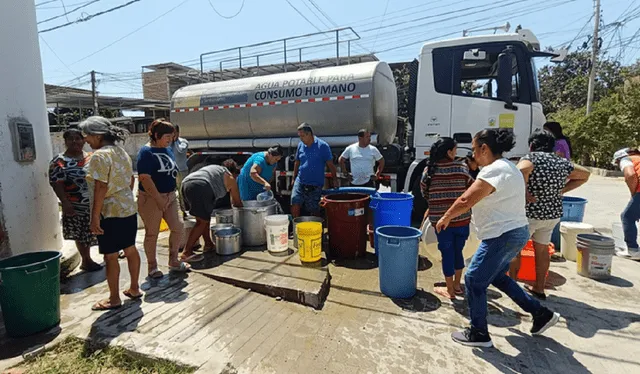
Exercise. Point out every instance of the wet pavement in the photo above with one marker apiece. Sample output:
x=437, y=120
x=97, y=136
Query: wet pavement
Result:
x=218, y=327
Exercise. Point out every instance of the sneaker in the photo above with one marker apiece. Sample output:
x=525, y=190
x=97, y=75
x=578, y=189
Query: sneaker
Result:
x=472, y=338
x=544, y=321
x=634, y=254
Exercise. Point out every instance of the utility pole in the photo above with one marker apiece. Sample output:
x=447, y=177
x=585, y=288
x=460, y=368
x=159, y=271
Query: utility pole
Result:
x=594, y=57
x=93, y=93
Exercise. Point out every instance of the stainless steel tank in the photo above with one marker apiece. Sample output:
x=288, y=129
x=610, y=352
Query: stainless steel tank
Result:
x=335, y=101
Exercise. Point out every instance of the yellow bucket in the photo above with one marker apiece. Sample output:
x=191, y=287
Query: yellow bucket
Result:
x=163, y=226
x=309, y=241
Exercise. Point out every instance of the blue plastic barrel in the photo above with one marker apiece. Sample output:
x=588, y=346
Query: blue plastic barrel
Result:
x=572, y=211
x=398, y=260
x=390, y=209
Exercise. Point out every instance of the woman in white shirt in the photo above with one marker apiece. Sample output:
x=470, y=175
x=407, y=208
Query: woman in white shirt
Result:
x=498, y=201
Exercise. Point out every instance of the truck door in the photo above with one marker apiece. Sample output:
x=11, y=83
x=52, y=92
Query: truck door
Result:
x=475, y=104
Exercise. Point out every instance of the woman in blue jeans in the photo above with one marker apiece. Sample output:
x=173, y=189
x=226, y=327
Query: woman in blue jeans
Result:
x=443, y=181
x=498, y=201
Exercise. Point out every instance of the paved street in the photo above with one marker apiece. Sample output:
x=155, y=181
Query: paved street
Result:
x=221, y=328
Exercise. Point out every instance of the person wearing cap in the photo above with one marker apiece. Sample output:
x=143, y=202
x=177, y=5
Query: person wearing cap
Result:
x=312, y=155
x=362, y=156
x=628, y=159
x=113, y=210
x=257, y=172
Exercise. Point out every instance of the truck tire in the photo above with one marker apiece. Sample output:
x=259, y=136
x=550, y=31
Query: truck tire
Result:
x=419, y=203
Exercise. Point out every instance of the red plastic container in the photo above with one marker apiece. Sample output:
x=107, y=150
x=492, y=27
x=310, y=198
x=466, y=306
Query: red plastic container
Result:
x=347, y=218
x=528, y=262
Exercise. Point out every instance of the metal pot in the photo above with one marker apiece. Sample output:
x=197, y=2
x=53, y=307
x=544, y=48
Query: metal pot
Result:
x=250, y=219
x=224, y=216
x=228, y=241
x=303, y=219
x=220, y=226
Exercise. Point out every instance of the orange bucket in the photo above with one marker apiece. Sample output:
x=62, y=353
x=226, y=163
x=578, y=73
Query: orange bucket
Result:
x=528, y=262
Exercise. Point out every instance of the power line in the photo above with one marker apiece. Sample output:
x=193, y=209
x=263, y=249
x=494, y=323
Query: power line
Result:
x=315, y=14
x=227, y=17
x=55, y=54
x=46, y=2
x=66, y=14
x=303, y=16
x=89, y=17
x=381, y=20
x=131, y=33
x=323, y=13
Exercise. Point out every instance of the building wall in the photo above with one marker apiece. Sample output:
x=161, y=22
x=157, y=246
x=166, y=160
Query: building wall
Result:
x=29, y=218
x=155, y=85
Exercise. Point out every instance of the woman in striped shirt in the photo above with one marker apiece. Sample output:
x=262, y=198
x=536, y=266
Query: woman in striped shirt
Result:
x=443, y=181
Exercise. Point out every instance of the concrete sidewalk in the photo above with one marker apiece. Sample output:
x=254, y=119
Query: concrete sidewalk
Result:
x=221, y=328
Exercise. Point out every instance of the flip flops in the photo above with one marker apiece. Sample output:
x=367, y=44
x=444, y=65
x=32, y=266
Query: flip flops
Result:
x=91, y=268
x=155, y=274
x=102, y=306
x=182, y=268
x=128, y=294
x=193, y=258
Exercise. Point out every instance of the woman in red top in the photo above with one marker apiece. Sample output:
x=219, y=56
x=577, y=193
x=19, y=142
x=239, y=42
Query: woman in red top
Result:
x=443, y=181
x=67, y=178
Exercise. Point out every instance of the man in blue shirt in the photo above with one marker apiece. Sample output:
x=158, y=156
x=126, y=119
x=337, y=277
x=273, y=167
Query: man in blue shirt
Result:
x=308, y=171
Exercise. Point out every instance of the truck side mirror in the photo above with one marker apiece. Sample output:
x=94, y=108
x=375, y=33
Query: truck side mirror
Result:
x=505, y=72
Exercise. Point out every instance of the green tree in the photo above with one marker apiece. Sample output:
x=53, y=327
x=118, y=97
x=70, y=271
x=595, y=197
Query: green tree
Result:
x=565, y=85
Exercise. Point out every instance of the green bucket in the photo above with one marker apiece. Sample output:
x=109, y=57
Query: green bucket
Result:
x=30, y=292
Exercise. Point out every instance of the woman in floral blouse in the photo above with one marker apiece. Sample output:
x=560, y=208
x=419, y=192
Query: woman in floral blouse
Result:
x=67, y=178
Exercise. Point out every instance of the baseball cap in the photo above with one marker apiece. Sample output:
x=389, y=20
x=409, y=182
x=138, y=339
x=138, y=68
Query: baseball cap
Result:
x=620, y=154
x=95, y=125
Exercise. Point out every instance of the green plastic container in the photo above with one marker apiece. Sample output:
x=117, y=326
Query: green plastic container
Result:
x=30, y=292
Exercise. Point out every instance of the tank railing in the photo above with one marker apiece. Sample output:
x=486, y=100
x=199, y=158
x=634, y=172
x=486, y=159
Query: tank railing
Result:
x=300, y=49
x=284, y=41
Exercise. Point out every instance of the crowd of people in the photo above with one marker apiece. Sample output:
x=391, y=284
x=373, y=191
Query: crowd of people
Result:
x=509, y=203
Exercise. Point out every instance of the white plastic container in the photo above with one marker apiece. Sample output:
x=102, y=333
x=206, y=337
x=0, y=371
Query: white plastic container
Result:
x=277, y=228
x=568, y=233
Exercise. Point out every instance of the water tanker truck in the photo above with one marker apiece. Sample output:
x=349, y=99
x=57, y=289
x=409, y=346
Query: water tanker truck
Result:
x=457, y=87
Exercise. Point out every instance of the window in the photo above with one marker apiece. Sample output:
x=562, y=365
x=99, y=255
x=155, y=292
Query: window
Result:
x=472, y=70
x=479, y=75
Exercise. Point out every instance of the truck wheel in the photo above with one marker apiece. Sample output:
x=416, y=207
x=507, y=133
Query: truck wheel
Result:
x=419, y=203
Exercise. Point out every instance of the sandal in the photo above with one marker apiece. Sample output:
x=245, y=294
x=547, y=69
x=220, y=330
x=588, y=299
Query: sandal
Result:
x=104, y=305
x=459, y=292
x=182, y=268
x=91, y=268
x=155, y=274
x=128, y=294
x=193, y=258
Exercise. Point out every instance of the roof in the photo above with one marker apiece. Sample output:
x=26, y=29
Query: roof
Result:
x=73, y=98
x=167, y=65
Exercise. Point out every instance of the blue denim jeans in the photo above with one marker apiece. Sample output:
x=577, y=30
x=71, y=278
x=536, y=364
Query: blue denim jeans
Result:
x=451, y=243
x=630, y=216
x=489, y=266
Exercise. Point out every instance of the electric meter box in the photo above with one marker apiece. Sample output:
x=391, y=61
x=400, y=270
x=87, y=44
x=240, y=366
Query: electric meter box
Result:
x=23, y=141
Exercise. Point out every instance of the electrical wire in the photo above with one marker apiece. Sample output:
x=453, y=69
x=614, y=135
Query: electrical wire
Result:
x=89, y=17
x=323, y=13
x=227, y=17
x=315, y=14
x=381, y=21
x=45, y=2
x=130, y=33
x=303, y=16
x=58, y=57
x=66, y=14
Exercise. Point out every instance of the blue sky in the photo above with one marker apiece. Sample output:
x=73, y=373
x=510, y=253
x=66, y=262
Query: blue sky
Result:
x=155, y=31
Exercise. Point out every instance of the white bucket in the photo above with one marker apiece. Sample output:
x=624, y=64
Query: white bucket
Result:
x=568, y=233
x=277, y=228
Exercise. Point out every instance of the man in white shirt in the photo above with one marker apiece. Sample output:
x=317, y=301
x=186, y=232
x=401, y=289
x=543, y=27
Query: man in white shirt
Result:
x=362, y=157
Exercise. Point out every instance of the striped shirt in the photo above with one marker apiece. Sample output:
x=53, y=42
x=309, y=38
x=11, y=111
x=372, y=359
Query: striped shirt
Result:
x=450, y=180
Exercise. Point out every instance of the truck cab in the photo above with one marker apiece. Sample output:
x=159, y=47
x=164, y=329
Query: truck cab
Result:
x=469, y=84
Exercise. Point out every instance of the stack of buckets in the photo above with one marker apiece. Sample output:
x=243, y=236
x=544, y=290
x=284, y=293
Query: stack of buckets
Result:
x=572, y=211
x=395, y=243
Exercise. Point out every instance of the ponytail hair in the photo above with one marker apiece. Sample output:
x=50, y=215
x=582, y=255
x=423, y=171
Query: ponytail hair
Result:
x=499, y=141
x=439, y=151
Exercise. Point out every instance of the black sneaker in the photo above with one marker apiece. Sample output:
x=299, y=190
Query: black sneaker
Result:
x=472, y=338
x=544, y=321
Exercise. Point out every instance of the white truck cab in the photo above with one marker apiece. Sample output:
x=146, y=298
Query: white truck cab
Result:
x=468, y=84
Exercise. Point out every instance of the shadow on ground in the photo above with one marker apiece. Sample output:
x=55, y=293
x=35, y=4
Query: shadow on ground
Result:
x=585, y=320
x=549, y=355
x=15, y=347
x=421, y=302
x=112, y=324
x=81, y=281
x=172, y=286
